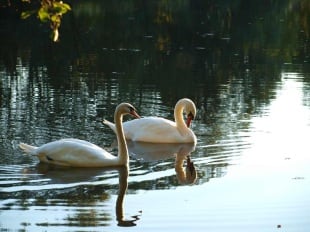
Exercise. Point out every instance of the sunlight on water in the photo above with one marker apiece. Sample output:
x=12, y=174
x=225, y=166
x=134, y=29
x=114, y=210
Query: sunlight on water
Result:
x=284, y=133
x=256, y=169
x=246, y=67
x=269, y=187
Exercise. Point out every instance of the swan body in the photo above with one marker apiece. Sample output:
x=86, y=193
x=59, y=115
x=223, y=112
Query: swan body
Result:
x=161, y=130
x=80, y=153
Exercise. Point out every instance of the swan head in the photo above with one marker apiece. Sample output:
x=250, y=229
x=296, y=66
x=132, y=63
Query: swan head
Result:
x=189, y=109
x=126, y=108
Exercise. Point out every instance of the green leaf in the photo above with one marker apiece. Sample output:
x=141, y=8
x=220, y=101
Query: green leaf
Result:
x=43, y=15
x=61, y=7
x=66, y=6
x=27, y=14
x=55, y=19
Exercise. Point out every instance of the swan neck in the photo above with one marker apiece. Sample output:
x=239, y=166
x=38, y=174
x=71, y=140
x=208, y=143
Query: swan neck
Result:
x=178, y=116
x=122, y=146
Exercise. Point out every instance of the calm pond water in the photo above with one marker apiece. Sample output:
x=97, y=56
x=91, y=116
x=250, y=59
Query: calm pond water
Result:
x=244, y=64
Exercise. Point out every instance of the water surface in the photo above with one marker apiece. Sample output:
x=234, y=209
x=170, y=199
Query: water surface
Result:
x=253, y=118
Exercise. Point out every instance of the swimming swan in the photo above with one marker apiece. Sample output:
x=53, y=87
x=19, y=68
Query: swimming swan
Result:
x=160, y=130
x=80, y=153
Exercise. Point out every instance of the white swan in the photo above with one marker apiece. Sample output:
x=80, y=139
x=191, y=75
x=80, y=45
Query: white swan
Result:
x=160, y=130
x=80, y=153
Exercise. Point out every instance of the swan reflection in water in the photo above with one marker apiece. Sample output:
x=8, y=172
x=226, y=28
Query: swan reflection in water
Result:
x=64, y=177
x=149, y=152
x=123, y=184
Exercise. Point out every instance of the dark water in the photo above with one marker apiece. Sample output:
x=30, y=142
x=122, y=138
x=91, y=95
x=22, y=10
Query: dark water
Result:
x=245, y=64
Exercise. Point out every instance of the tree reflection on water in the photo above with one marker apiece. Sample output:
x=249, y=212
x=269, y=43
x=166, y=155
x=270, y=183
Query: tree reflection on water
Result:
x=198, y=44
x=227, y=56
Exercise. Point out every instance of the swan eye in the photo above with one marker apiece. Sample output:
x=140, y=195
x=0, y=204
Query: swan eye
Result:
x=191, y=115
x=131, y=109
x=133, y=112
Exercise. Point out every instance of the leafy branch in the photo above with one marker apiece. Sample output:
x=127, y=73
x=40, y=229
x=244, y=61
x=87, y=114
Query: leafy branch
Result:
x=50, y=11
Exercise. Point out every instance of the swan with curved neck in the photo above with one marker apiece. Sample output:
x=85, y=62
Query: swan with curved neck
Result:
x=160, y=130
x=80, y=153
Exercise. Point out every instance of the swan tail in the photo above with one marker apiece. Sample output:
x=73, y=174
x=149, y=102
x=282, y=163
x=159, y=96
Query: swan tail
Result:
x=109, y=124
x=28, y=149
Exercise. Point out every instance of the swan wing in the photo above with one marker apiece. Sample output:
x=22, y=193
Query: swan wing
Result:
x=73, y=152
x=144, y=127
x=154, y=130
x=110, y=124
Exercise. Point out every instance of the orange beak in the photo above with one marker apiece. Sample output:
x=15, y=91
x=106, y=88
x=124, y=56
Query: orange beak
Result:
x=135, y=114
x=189, y=119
